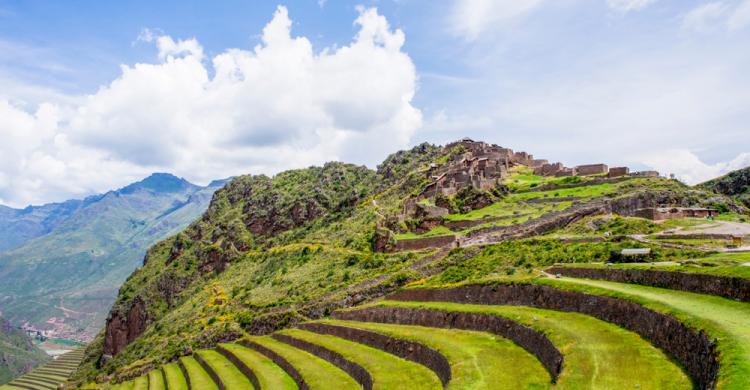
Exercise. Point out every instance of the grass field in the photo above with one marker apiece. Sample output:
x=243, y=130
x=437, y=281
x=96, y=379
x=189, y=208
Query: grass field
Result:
x=478, y=360
x=199, y=378
x=141, y=383
x=318, y=373
x=156, y=380
x=726, y=320
x=230, y=375
x=598, y=355
x=175, y=379
x=388, y=371
x=270, y=375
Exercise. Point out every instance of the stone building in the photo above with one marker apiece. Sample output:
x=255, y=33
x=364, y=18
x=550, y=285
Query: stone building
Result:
x=664, y=213
x=619, y=171
x=592, y=169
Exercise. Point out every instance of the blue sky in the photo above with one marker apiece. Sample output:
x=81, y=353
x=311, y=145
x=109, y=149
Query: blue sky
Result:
x=96, y=94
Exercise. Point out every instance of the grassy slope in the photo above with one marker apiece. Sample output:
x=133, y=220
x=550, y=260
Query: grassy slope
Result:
x=156, y=380
x=724, y=319
x=478, y=360
x=598, y=355
x=388, y=371
x=199, y=378
x=317, y=372
x=175, y=379
x=270, y=376
x=17, y=353
x=230, y=375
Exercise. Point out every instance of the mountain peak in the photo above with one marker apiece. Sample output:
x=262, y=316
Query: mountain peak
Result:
x=159, y=182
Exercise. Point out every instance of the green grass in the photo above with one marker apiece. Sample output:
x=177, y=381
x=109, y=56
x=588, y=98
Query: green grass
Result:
x=270, y=375
x=436, y=232
x=725, y=320
x=141, y=383
x=598, y=355
x=317, y=373
x=199, y=378
x=388, y=371
x=175, y=379
x=719, y=264
x=230, y=375
x=156, y=380
x=478, y=360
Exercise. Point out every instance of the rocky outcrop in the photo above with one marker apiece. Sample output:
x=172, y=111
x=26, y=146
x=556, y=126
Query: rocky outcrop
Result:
x=529, y=339
x=359, y=373
x=125, y=326
x=693, y=348
x=725, y=286
x=409, y=350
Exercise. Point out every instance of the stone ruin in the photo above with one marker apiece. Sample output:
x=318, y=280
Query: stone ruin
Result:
x=481, y=165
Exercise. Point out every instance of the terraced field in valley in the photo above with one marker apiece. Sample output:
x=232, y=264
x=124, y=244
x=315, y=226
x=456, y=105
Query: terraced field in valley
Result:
x=545, y=333
x=49, y=376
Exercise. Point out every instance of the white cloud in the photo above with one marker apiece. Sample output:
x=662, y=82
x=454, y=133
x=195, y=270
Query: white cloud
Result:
x=689, y=168
x=740, y=17
x=277, y=106
x=629, y=5
x=470, y=18
x=704, y=17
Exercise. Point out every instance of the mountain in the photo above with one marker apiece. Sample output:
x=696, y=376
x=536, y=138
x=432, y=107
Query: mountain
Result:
x=17, y=353
x=63, y=273
x=735, y=184
x=271, y=252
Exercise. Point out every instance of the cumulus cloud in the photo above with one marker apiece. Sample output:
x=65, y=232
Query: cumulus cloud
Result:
x=629, y=5
x=689, y=168
x=472, y=17
x=703, y=18
x=276, y=106
x=740, y=17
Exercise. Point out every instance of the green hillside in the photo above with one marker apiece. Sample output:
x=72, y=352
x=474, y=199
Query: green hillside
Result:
x=17, y=353
x=735, y=184
x=72, y=272
x=270, y=253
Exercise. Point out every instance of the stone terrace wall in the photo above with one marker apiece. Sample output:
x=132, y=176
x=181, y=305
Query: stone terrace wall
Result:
x=423, y=243
x=692, y=348
x=279, y=360
x=359, y=373
x=409, y=350
x=728, y=287
x=529, y=339
x=246, y=370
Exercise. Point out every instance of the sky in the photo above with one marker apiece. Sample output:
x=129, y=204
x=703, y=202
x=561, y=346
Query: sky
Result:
x=95, y=95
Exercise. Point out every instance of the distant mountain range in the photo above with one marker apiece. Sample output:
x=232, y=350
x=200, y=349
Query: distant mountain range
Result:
x=61, y=264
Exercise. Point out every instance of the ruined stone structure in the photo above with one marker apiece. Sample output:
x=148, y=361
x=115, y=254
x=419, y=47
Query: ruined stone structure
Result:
x=663, y=213
x=645, y=174
x=481, y=166
x=618, y=171
x=592, y=169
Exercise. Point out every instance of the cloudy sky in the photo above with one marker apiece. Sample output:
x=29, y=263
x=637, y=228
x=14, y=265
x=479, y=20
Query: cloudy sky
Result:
x=94, y=95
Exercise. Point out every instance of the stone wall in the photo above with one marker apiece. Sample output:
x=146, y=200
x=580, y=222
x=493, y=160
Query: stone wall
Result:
x=279, y=360
x=405, y=349
x=694, y=350
x=592, y=169
x=529, y=339
x=353, y=369
x=725, y=286
x=210, y=371
x=618, y=171
x=423, y=243
x=246, y=370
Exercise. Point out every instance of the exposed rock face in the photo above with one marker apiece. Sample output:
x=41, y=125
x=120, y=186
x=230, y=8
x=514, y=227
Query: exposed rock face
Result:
x=729, y=287
x=692, y=348
x=123, y=327
x=531, y=340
